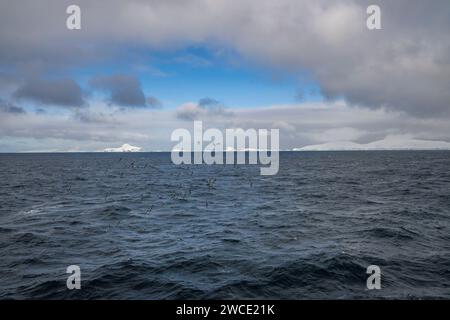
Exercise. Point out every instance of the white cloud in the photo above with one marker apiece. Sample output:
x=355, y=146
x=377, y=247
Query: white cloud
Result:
x=300, y=125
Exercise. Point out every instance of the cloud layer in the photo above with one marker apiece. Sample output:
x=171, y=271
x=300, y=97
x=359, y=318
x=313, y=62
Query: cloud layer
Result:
x=123, y=90
x=299, y=124
x=405, y=66
x=62, y=92
x=8, y=107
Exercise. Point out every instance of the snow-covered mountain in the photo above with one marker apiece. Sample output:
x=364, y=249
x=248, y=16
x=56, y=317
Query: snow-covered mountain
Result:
x=332, y=146
x=389, y=143
x=124, y=148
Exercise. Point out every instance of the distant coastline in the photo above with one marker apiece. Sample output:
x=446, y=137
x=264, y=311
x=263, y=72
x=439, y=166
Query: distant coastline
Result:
x=388, y=144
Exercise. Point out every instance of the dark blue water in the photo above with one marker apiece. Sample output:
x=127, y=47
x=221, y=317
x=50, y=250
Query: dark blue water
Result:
x=140, y=227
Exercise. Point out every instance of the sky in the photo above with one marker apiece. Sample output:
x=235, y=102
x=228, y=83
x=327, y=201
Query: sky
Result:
x=137, y=70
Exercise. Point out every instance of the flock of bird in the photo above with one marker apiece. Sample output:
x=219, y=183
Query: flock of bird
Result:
x=181, y=193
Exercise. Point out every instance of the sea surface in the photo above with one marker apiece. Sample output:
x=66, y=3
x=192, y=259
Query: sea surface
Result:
x=140, y=227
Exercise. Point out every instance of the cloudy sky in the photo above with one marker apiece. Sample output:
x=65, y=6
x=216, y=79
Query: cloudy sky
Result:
x=139, y=69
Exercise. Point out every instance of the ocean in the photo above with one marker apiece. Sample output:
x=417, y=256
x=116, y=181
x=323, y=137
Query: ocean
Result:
x=140, y=227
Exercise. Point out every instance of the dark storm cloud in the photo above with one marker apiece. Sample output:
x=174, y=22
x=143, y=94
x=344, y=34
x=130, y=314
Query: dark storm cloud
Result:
x=7, y=79
x=124, y=90
x=8, y=107
x=61, y=92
